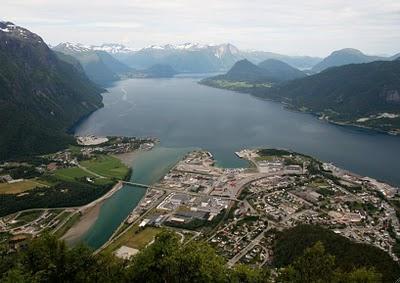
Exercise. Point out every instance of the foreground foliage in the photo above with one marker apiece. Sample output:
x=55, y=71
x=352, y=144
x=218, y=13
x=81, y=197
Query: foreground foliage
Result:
x=46, y=259
x=293, y=242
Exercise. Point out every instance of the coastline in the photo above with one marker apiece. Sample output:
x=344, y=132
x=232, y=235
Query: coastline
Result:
x=289, y=107
x=89, y=214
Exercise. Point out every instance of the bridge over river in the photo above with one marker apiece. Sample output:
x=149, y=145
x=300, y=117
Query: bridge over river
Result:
x=136, y=184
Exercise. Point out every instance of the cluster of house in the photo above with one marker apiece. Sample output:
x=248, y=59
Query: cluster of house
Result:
x=234, y=235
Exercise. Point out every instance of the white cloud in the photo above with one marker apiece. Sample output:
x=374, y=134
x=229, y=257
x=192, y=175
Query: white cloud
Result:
x=287, y=26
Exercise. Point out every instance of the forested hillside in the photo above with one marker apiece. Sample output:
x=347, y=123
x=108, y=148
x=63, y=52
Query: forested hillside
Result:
x=40, y=95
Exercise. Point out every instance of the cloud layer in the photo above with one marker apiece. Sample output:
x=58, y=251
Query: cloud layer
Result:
x=286, y=26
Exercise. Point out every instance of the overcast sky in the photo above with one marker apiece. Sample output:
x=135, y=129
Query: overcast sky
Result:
x=314, y=27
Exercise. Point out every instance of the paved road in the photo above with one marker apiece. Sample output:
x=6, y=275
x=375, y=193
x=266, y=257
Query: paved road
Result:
x=91, y=172
x=250, y=246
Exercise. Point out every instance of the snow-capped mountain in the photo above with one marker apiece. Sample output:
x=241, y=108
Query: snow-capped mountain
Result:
x=113, y=48
x=68, y=47
x=19, y=32
x=188, y=57
x=218, y=50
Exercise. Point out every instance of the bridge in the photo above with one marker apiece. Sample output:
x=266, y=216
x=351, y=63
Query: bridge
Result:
x=136, y=184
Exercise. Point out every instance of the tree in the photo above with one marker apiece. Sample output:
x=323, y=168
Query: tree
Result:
x=245, y=274
x=315, y=266
x=168, y=261
x=47, y=259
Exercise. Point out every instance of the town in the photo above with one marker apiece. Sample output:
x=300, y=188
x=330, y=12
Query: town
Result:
x=239, y=211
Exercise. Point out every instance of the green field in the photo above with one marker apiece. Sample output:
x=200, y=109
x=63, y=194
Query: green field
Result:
x=19, y=187
x=134, y=238
x=236, y=85
x=70, y=174
x=107, y=166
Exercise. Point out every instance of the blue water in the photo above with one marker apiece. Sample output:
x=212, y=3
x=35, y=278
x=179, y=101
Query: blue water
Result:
x=184, y=114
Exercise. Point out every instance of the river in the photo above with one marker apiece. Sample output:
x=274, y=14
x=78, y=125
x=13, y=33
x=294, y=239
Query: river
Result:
x=185, y=115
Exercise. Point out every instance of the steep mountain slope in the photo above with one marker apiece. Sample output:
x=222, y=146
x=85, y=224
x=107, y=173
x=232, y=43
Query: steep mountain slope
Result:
x=344, y=57
x=40, y=95
x=357, y=93
x=113, y=64
x=99, y=66
x=71, y=60
x=280, y=71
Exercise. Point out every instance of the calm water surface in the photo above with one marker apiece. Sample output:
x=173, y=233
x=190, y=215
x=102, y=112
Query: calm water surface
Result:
x=184, y=114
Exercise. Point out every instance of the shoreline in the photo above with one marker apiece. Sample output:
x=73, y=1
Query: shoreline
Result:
x=319, y=117
x=91, y=211
x=89, y=214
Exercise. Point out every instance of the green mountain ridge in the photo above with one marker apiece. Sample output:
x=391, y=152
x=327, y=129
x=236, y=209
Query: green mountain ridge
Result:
x=366, y=95
x=281, y=71
x=349, y=92
x=40, y=95
x=344, y=57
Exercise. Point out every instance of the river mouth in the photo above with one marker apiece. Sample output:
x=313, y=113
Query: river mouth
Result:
x=185, y=115
x=147, y=168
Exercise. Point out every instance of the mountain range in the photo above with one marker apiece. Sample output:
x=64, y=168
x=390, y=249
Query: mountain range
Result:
x=195, y=58
x=41, y=96
x=192, y=57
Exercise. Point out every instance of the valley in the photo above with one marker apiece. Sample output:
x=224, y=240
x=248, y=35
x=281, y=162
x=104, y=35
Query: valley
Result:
x=203, y=160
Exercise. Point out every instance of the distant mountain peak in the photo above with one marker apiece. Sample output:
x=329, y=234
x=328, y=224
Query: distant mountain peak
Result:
x=344, y=57
x=72, y=47
x=112, y=48
x=190, y=46
x=348, y=51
